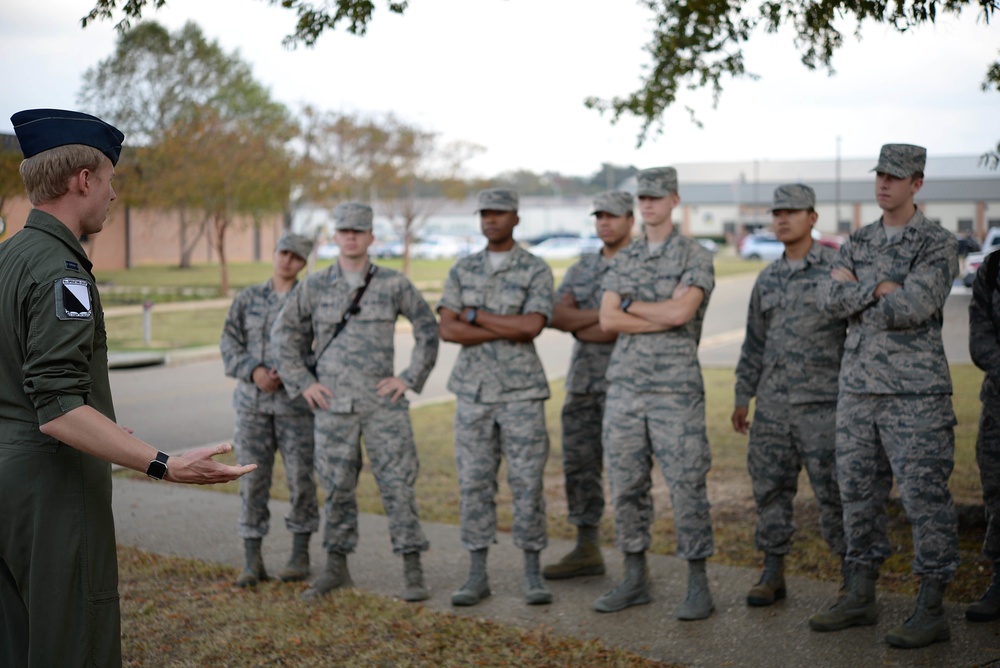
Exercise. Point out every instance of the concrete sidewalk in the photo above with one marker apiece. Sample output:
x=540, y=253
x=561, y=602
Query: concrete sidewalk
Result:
x=198, y=523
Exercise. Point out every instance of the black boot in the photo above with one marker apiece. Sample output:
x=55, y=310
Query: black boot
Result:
x=584, y=559
x=297, y=568
x=633, y=590
x=856, y=609
x=254, y=571
x=698, y=603
x=413, y=574
x=535, y=591
x=928, y=623
x=771, y=586
x=477, y=586
x=987, y=608
x=335, y=576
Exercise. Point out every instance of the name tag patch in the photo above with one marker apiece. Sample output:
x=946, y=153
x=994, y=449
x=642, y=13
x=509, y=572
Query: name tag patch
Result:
x=73, y=299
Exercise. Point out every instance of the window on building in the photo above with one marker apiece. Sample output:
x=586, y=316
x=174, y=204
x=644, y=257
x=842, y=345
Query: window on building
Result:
x=965, y=225
x=729, y=228
x=993, y=222
x=843, y=227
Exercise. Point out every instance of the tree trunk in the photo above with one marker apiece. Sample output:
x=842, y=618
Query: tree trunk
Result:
x=187, y=246
x=221, y=225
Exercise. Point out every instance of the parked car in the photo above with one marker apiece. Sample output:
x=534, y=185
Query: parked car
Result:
x=708, y=244
x=566, y=248
x=383, y=249
x=974, y=260
x=761, y=247
x=441, y=248
x=834, y=241
x=328, y=251
x=535, y=240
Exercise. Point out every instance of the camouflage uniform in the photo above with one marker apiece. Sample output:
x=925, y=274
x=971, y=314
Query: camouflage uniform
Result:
x=351, y=366
x=583, y=411
x=790, y=362
x=894, y=413
x=267, y=421
x=656, y=400
x=501, y=388
x=984, y=345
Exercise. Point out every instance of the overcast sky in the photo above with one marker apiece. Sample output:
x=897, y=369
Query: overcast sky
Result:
x=511, y=75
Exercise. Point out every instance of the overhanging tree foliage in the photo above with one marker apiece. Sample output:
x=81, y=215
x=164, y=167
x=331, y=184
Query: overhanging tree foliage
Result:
x=695, y=43
x=401, y=170
x=211, y=141
x=10, y=181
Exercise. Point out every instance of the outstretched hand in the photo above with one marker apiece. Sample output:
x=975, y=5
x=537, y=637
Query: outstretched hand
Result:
x=196, y=467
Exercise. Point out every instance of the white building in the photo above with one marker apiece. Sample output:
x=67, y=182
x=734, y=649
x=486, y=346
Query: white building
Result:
x=721, y=200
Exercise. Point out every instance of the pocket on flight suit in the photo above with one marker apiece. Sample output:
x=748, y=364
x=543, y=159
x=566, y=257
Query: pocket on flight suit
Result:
x=104, y=619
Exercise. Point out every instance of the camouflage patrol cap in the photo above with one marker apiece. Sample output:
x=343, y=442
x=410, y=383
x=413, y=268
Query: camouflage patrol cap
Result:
x=901, y=160
x=793, y=197
x=353, y=216
x=295, y=243
x=615, y=202
x=657, y=182
x=497, y=199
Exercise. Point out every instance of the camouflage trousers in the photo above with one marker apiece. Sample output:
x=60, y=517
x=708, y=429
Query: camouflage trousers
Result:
x=258, y=437
x=484, y=433
x=671, y=427
x=988, y=458
x=388, y=440
x=783, y=439
x=911, y=438
x=583, y=456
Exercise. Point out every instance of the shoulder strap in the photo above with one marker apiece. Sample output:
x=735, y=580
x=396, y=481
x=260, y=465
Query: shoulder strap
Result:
x=351, y=311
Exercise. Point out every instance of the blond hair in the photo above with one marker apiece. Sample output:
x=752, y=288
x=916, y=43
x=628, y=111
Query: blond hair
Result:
x=46, y=175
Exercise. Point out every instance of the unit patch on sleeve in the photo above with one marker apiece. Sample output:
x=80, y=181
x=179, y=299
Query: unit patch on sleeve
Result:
x=73, y=299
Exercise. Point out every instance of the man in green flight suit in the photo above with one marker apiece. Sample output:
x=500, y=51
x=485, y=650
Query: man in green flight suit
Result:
x=58, y=566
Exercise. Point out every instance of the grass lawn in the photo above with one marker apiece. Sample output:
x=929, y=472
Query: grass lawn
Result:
x=163, y=283
x=186, y=329
x=178, y=612
x=729, y=492
x=170, y=330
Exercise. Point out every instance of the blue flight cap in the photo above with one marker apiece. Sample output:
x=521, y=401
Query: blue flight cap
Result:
x=39, y=130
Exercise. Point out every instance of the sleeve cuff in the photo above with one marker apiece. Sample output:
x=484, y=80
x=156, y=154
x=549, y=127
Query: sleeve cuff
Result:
x=58, y=407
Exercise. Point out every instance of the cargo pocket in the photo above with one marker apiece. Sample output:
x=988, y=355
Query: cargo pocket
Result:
x=104, y=619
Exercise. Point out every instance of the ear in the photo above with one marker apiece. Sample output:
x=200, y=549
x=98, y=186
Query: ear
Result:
x=79, y=183
x=916, y=184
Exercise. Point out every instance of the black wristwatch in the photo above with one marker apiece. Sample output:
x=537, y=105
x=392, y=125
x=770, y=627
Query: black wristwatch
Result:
x=626, y=303
x=157, y=468
x=470, y=316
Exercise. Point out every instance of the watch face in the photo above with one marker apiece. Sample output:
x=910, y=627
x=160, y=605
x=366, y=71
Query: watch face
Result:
x=471, y=315
x=156, y=470
x=158, y=467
